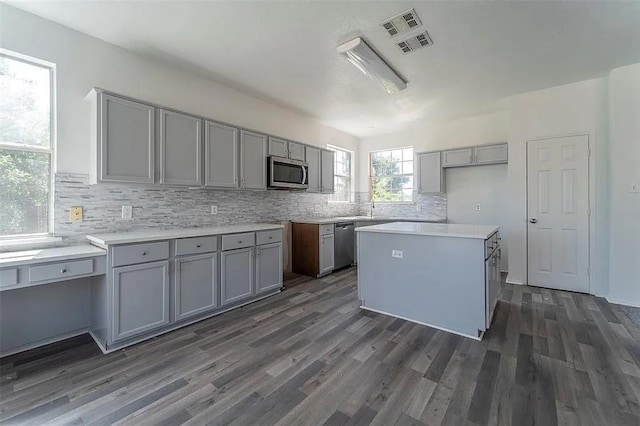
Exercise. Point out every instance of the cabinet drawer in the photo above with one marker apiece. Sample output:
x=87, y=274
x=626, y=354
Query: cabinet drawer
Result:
x=8, y=277
x=140, y=253
x=59, y=270
x=236, y=241
x=326, y=229
x=266, y=237
x=196, y=245
x=490, y=244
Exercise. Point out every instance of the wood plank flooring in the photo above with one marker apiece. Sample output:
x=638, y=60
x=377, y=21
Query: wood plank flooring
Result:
x=310, y=356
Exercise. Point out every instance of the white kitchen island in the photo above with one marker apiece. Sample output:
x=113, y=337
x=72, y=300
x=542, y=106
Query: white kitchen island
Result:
x=442, y=275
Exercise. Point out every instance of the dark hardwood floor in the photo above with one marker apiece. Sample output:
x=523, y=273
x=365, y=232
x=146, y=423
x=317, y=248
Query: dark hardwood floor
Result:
x=310, y=356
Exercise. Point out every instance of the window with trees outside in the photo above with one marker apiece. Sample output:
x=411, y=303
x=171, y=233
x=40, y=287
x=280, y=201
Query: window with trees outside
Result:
x=342, y=176
x=391, y=175
x=26, y=112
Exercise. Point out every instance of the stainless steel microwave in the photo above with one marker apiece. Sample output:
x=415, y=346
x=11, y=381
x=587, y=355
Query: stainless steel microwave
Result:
x=283, y=173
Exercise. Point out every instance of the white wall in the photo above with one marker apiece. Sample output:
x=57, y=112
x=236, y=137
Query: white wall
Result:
x=573, y=108
x=484, y=185
x=84, y=62
x=624, y=125
x=478, y=130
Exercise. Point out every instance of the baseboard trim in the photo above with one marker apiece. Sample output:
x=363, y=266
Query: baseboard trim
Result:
x=44, y=342
x=510, y=280
x=623, y=302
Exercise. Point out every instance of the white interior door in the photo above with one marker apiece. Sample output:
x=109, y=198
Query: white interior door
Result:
x=558, y=209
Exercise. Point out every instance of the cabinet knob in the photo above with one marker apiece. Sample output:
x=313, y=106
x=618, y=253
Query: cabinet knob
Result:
x=63, y=271
x=144, y=253
x=198, y=246
x=271, y=238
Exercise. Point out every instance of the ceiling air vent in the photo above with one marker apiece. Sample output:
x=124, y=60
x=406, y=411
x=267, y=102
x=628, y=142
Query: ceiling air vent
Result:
x=415, y=42
x=402, y=23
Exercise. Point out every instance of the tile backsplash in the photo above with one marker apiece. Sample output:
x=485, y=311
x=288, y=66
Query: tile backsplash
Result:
x=180, y=207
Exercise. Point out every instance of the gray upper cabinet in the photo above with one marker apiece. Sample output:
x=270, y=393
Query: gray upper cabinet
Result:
x=140, y=298
x=236, y=275
x=430, y=173
x=268, y=267
x=196, y=279
x=125, y=148
x=313, y=158
x=180, y=139
x=457, y=157
x=278, y=147
x=221, y=155
x=490, y=154
x=328, y=167
x=253, y=160
x=297, y=151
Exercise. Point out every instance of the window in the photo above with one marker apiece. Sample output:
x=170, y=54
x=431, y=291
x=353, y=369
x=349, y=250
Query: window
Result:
x=391, y=174
x=342, y=177
x=26, y=120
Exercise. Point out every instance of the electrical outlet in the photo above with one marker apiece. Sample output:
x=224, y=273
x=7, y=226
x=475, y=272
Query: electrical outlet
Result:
x=396, y=254
x=127, y=212
x=478, y=207
x=75, y=214
x=214, y=209
x=635, y=188
x=418, y=207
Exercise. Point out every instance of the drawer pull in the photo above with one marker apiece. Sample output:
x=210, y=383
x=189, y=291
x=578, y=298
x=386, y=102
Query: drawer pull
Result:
x=239, y=241
x=198, y=246
x=63, y=271
x=271, y=238
x=144, y=253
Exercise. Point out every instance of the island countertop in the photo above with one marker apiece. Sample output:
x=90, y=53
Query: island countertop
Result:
x=104, y=240
x=336, y=219
x=433, y=229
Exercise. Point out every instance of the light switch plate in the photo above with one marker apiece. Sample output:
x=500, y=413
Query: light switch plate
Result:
x=127, y=212
x=397, y=254
x=635, y=188
x=75, y=214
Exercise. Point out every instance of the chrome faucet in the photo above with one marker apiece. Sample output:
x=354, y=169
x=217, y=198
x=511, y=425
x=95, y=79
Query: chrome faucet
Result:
x=373, y=206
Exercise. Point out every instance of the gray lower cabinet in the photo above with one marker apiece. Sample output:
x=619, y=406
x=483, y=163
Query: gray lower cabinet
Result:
x=328, y=168
x=490, y=154
x=268, y=267
x=326, y=254
x=221, y=155
x=457, y=157
x=125, y=140
x=430, y=173
x=196, y=282
x=313, y=159
x=253, y=160
x=236, y=275
x=140, y=298
x=180, y=139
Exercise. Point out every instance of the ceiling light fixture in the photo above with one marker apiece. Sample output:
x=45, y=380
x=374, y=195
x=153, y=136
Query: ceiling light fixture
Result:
x=360, y=54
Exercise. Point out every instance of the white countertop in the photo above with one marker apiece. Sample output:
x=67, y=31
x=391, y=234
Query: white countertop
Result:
x=17, y=258
x=169, y=234
x=325, y=220
x=433, y=229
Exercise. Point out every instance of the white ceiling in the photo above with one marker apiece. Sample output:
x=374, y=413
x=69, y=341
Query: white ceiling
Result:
x=284, y=52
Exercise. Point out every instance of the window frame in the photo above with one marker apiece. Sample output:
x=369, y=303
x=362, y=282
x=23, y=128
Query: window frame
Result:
x=351, y=199
x=51, y=150
x=412, y=175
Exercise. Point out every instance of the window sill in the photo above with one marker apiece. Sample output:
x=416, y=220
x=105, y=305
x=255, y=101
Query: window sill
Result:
x=31, y=241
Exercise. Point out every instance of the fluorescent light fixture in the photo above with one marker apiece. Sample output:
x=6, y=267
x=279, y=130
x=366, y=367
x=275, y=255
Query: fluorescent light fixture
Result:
x=360, y=54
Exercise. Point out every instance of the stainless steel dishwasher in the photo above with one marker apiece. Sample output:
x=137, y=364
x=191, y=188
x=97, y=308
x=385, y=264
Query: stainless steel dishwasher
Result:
x=344, y=244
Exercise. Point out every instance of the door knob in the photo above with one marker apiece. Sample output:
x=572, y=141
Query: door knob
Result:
x=533, y=220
